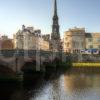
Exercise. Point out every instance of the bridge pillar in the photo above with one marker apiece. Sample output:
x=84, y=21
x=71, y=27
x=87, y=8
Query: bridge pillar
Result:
x=19, y=73
x=38, y=60
x=63, y=57
x=19, y=76
x=19, y=62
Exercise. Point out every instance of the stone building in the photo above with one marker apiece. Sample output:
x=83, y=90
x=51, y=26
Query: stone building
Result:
x=4, y=37
x=77, y=39
x=89, y=41
x=6, y=43
x=74, y=40
x=30, y=39
x=93, y=41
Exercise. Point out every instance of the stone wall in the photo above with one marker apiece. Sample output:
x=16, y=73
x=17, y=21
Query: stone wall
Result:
x=83, y=58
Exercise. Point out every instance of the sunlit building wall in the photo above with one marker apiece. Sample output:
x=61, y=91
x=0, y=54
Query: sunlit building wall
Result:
x=93, y=41
x=6, y=43
x=30, y=39
x=74, y=40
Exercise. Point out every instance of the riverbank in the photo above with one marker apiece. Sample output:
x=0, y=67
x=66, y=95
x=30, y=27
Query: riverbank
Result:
x=50, y=69
x=96, y=65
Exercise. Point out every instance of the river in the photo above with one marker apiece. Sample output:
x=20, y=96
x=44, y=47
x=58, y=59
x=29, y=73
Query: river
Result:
x=69, y=86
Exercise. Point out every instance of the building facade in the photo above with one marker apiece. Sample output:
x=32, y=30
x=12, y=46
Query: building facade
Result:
x=6, y=43
x=93, y=41
x=89, y=41
x=74, y=40
x=30, y=39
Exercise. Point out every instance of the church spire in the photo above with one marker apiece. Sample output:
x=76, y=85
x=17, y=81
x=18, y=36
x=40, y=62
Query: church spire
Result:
x=55, y=35
x=55, y=27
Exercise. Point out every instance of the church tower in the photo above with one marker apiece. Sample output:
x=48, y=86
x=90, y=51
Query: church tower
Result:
x=55, y=35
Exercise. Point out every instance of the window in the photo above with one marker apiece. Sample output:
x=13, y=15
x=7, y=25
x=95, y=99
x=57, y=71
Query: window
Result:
x=91, y=46
x=99, y=47
x=98, y=39
x=66, y=38
x=68, y=44
x=90, y=39
x=82, y=44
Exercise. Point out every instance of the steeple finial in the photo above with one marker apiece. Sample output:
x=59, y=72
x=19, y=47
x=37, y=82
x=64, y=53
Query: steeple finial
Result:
x=55, y=7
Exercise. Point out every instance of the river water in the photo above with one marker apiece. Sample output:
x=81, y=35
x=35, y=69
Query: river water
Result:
x=72, y=85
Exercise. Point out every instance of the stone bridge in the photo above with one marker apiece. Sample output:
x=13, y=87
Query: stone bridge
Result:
x=16, y=59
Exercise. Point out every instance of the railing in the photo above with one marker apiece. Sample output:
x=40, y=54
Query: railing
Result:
x=11, y=53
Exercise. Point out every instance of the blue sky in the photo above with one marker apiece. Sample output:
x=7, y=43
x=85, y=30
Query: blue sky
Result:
x=38, y=13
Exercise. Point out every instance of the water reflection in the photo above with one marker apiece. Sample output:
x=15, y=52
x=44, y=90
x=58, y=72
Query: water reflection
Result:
x=82, y=86
x=70, y=86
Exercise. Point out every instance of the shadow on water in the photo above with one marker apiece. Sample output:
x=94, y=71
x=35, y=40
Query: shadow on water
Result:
x=6, y=90
x=33, y=84
x=10, y=91
x=31, y=87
